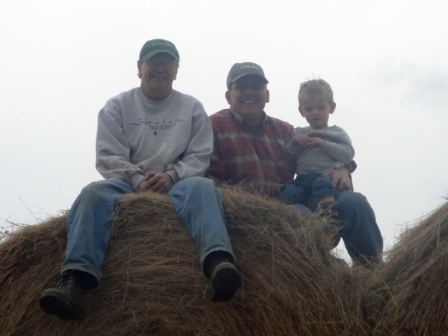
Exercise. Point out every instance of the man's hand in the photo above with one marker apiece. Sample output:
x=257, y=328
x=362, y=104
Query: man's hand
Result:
x=157, y=182
x=341, y=178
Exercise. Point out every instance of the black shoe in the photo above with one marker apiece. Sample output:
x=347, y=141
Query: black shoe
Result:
x=224, y=280
x=65, y=301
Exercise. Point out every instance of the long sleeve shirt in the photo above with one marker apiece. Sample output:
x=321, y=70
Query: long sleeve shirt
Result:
x=137, y=135
x=253, y=157
x=336, y=152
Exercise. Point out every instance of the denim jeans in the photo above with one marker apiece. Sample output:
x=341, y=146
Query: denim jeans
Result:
x=308, y=189
x=357, y=227
x=199, y=205
x=359, y=230
x=196, y=200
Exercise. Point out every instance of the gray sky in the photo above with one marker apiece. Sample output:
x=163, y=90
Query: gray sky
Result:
x=386, y=61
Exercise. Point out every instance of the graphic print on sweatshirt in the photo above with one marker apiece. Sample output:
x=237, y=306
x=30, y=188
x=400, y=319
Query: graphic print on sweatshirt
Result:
x=157, y=126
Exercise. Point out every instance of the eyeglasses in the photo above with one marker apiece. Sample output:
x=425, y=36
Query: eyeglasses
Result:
x=243, y=86
x=161, y=63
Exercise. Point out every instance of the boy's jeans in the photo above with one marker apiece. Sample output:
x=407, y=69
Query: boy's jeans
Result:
x=358, y=227
x=308, y=190
x=196, y=200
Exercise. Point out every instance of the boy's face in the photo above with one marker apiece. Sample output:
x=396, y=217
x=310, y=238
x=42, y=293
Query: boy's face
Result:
x=316, y=110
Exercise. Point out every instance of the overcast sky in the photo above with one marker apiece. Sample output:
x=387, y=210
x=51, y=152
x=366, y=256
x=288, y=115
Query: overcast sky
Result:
x=385, y=60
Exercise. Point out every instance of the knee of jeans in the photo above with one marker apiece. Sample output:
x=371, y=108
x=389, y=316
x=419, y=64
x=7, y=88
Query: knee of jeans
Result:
x=90, y=189
x=351, y=199
x=200, y=183
x=93, y=191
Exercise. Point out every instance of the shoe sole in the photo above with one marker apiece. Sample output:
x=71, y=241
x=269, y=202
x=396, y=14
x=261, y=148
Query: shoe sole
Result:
x=53, y=304
x=225, y=281
x=327, y=209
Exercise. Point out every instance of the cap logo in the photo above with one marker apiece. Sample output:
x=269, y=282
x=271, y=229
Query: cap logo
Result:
x=160, y=43
x=247, y=66
x=240, y=70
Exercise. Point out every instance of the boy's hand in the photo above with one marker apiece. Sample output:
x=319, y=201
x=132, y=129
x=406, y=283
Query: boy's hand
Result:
x=309, y=141
x=315, y=143
x=302, y=140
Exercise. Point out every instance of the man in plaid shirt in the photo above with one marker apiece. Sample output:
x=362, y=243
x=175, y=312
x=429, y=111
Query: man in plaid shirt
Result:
x=250, y=151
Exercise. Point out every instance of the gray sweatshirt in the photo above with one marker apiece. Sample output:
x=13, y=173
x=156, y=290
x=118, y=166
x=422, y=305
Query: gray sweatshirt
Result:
x=137, y=135
x=336, y=152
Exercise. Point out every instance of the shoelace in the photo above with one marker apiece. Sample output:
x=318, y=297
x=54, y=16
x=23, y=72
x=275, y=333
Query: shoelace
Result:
x=66, y=280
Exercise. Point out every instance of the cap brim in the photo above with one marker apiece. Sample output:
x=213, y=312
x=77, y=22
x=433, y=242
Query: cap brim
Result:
x=244, y=75
x=152, y=54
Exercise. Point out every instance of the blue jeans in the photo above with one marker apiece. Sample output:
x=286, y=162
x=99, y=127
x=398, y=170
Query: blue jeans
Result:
x=358, y=228
x=308, y=189
x=196, y=200
x=199, y=205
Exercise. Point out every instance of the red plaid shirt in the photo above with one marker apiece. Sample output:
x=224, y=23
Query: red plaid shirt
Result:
x=253, y=157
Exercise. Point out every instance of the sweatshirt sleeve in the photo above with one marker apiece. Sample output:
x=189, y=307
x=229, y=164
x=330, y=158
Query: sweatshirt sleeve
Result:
x=196, y=157
x=339, y=146
x=112, y=148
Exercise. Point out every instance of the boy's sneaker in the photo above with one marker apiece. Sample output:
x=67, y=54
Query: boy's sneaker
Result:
x=327, y=208
x=224, y=279
x=65, y=301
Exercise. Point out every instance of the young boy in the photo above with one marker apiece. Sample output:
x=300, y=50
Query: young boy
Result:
x=316, y=148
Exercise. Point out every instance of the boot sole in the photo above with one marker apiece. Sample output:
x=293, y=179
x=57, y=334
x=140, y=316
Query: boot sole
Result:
x=53, y=304
x=225, y=281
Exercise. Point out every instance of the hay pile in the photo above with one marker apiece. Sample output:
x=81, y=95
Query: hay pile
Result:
x=410, y=296
x=152, y=282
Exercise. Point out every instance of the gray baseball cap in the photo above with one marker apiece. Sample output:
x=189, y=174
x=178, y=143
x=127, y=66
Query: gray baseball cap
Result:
x=240, y=70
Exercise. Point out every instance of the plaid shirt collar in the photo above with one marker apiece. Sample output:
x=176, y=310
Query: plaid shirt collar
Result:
x=249, y=127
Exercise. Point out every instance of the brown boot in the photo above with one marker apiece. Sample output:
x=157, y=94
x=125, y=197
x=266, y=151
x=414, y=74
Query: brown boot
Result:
x=67, y=300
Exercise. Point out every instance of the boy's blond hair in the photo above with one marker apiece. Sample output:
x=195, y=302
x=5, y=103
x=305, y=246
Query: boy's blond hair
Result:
x=315, y=87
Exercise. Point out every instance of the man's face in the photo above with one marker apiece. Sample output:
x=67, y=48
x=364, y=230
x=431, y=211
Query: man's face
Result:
x=316, y=110
x=248, y=97
x=157, y=75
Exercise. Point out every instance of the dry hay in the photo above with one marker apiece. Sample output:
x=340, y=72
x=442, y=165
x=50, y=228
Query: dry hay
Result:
x=292, y=285
x=152, y=282
x=410, y=295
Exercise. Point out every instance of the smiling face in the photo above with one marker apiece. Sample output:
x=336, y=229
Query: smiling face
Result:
x=157, y=75
x=248, y=97
x=316, y=109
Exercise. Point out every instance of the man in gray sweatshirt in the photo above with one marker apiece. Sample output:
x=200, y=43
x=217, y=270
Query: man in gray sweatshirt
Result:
x=149, y=138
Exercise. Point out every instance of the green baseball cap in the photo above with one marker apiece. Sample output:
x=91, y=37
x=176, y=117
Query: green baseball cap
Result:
x=240, y=70
x=156, y=46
